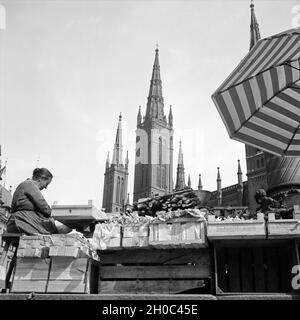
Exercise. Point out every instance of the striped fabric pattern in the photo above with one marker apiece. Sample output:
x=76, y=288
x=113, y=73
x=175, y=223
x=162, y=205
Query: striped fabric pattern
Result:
x=260, y=100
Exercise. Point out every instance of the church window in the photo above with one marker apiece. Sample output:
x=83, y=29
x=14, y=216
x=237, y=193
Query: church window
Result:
x=122, y=191
x=118, y=190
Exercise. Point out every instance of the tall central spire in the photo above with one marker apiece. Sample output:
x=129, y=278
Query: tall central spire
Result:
x=180, y=179
x=155, y=103
x=254, y=29
x=117, y=155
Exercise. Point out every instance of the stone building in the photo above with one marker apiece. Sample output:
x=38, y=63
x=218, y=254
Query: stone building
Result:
x=116, y=177
x=153, y=174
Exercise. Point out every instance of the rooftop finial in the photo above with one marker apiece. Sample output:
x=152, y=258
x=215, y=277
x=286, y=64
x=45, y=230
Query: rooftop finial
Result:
x=156, y=46
x=120, y=116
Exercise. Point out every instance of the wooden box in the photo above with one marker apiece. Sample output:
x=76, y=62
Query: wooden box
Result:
x=107, y=236
x=69, y=245
x=155, y=271
x=34, y=246
x=283, y=228
x=253, y=266
x=69, y=275
x=178, y=233
x=31, y=275
x=236, y=229
x=135, y=236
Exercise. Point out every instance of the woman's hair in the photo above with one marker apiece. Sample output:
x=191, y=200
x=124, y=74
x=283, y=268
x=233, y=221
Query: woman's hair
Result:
x=41, y=173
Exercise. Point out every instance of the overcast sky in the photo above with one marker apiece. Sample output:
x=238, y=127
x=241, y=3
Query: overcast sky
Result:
x=68, y=68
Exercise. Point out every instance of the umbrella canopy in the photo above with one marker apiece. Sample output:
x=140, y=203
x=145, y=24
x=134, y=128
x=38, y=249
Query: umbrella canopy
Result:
x=260, y=100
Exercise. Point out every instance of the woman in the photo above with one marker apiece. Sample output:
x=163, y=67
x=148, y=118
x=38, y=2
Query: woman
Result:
x=30, y=212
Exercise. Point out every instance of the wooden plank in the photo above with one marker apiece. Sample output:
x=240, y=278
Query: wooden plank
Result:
x=284, y=270
x=29, y=286
x=273, y=270
x=148, y=286
x=157, y=256
x=259, y=273
x=150, y=272
x=65, y=286
x=67, y=268
x=246, y=270
x=31, y=269
x=221, y=269
x=234, y=272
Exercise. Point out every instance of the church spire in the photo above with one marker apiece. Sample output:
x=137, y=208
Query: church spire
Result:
x=180, y=179
x=139, y=117
x=155, y=103
x=200, y=183
x=254, y=29
x=239, y=173
x=126, y=161
x=107, y=161
x=117, y=154
x=219, y=188
x=170, y=117
x=189, y=181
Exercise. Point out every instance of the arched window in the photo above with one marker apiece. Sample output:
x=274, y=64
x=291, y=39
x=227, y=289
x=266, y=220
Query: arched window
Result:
x=118, y=190
x=122, y=191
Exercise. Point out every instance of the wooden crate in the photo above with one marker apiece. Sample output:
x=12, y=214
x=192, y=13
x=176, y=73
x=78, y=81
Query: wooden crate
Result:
x=253, y=267
x=282, y=228
x=34, y=246
x=69, y=245
x=178, y=233
x=69, y=275
x=31, y=275
x=107, y=236
x=155, y=271
x=135, y=236
x=236, y=229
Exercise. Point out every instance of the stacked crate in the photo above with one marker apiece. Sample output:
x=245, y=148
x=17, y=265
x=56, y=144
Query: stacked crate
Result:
x=70, y=263
x=32, y=265
x=284, y=228
x=135, y=235
x=178, y=233
x=107, y=236
x=236, y=228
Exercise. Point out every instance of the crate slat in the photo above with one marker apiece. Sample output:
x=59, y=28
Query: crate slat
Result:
x=177, y=233
x=69, y=275
x=234, y=272
x=283, y=228
x=259, y=274
x=148, y=272
x=148, y=286
x=29, y=286
x=236, y=229
x=169, y=256
x=31, y=274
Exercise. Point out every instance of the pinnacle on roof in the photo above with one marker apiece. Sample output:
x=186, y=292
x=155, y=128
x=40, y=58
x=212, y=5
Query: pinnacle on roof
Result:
x=155, y=103
x=218, y=175
x=254, y=29
x=107, y=160
x=189, y=181
x=200, y=183
x=117, y=154
x=239, y=168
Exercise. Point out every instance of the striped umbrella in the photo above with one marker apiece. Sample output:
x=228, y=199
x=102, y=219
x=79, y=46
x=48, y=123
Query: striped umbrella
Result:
x=260, y=100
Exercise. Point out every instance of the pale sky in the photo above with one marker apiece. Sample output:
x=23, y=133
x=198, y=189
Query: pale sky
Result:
x=68, y=68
